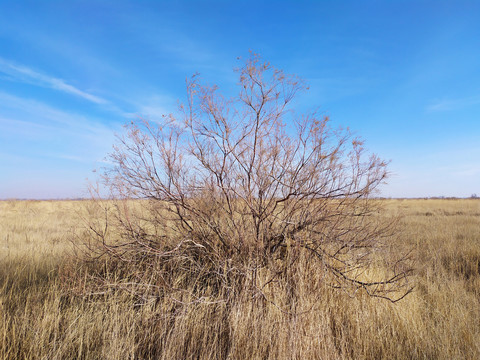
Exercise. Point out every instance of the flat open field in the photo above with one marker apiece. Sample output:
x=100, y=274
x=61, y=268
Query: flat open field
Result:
x=440, y=319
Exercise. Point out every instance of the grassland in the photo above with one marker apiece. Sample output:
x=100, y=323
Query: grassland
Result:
x=41, y=319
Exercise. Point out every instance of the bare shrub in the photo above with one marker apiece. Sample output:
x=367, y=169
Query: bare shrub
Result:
x=232, y=195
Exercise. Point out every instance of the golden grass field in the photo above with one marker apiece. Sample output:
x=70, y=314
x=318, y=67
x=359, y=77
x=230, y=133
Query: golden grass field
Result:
x=440, y=319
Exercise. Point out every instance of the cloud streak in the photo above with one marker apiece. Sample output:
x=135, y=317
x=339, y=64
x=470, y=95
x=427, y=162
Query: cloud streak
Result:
x=453, y=104
x=23, y=113
x=45, y=140
x=27, y=75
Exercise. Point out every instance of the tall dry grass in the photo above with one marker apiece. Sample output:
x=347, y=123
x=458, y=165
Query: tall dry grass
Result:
x=41, y=318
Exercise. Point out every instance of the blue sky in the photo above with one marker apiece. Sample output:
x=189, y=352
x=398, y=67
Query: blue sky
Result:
x=404, y=75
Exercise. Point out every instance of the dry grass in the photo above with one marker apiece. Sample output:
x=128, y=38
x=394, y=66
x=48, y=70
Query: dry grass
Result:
x=40, y=319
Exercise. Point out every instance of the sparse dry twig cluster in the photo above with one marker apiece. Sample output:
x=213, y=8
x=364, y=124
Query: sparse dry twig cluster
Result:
x=235, y=188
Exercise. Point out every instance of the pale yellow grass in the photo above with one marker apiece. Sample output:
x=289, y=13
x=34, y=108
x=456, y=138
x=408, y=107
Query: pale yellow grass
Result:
x=439, y=320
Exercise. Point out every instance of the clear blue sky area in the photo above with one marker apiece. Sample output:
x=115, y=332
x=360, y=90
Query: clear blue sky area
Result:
x=404, y=75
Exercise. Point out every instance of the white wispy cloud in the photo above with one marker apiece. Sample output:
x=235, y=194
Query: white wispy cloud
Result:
x=28, y=75
x=453, y=104
x=31, y=116
x=36, y=136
